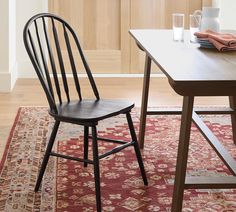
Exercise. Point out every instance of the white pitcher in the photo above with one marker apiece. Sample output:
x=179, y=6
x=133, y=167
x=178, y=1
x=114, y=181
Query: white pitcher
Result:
x=210, y=18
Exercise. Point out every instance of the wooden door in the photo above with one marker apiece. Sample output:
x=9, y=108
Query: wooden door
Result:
x=103, y=25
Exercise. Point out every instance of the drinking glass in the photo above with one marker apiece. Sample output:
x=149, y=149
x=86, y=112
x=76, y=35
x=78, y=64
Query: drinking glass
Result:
x=178, y=26
x=194, y=26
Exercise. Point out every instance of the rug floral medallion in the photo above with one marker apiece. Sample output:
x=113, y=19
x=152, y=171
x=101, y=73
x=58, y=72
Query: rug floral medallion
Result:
x=69, y=187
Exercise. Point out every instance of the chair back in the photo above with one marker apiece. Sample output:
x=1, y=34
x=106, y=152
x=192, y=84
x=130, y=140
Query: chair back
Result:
x=44, y=35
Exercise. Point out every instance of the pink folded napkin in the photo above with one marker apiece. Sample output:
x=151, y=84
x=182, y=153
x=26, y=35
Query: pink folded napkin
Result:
x=222, y=41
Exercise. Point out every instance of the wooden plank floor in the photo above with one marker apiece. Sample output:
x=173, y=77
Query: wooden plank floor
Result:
x=28, y=92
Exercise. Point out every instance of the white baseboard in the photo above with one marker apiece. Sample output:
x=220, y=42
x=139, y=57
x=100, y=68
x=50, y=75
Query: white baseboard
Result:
x=5, y=81
x=8, y=79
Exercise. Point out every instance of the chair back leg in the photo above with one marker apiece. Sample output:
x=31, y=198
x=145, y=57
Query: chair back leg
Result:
x=86, y=132
x=136, y=148
x=96, y=168
x=47, y=154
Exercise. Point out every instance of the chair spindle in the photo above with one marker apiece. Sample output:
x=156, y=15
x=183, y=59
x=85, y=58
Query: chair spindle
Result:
x=60, y=59
x=35, y=54
x=44, y=60
x=72, y=62
x=87, y=68
x=53, y=66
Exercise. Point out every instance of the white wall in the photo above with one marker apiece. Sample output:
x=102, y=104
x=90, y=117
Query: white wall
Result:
x=23, y=13
x=227, y=13
x=14, y=61
x=4, y=32
x=8, y=65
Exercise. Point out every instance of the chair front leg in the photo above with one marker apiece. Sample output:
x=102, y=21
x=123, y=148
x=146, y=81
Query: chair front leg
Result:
x=96, y=168
x=46, y=155
x=136, y=148
x=86, y=132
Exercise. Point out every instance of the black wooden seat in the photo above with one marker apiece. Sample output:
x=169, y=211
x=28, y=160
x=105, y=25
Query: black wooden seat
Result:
x=44, y=34
x=89, y=110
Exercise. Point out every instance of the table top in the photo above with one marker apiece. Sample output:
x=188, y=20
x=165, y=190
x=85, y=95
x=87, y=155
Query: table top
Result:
x=191, y=70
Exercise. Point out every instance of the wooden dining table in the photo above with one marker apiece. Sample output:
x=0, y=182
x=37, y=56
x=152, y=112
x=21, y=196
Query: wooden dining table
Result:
x=191, y=71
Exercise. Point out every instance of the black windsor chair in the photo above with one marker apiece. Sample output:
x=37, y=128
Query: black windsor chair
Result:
x=39, y=44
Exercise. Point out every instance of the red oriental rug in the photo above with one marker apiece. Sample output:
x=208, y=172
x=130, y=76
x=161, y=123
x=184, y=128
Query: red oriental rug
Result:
x=68, y=186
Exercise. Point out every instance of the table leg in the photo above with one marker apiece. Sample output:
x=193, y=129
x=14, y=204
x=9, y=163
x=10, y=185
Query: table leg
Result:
x=143, y=114
x=182, y=155
x=232, y=104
